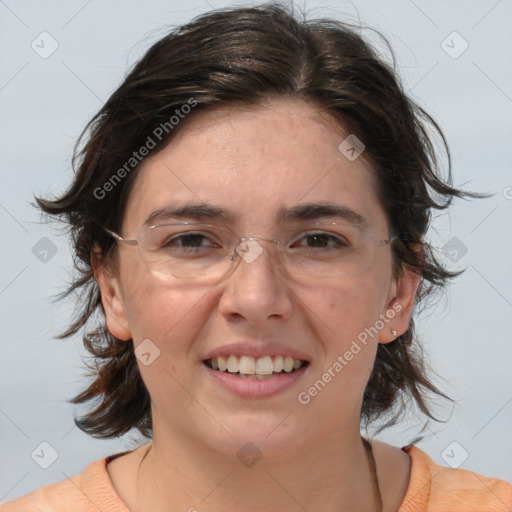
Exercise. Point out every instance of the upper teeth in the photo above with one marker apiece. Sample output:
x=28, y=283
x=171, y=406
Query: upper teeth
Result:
x=255, y=366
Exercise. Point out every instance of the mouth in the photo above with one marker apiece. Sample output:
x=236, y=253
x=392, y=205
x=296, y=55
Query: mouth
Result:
x=252, y=368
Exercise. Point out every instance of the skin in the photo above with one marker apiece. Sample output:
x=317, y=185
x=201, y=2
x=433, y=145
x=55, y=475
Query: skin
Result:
x=254, y=161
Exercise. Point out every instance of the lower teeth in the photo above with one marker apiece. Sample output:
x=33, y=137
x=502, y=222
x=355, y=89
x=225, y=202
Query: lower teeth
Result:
x=255, y=375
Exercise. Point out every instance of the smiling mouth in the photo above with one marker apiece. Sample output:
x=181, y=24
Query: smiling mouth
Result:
x=262, y=368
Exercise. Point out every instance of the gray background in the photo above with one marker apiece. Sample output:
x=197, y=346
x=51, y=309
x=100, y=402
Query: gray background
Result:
x=45, y=103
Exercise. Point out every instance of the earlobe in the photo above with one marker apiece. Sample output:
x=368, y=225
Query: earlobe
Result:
x=111, y=298
x=400, y=306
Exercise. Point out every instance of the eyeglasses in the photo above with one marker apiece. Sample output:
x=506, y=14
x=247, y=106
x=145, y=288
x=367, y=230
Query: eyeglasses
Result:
x=208, y=253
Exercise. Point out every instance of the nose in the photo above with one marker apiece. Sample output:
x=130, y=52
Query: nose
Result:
x=255, y=289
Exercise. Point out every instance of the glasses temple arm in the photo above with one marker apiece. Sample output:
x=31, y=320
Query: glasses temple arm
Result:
x=120, y=239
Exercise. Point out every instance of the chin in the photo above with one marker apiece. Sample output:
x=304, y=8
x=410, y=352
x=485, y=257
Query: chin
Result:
x=260, y=436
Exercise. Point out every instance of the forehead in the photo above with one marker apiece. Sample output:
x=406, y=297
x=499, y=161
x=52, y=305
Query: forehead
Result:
x=255, y=163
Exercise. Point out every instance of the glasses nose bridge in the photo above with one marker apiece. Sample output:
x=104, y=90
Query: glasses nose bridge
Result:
x=248, y=248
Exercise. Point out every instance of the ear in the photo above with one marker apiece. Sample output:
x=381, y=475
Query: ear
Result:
x=400, y=306
x=111, y=297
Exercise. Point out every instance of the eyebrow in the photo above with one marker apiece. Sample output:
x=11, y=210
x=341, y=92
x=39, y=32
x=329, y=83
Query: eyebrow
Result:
x=306, y=211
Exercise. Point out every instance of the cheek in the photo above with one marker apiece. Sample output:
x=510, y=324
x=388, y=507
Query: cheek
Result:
x=158, y=311
x=342, y=320
x=164, y=322
x=346, y=320
x=349, y=308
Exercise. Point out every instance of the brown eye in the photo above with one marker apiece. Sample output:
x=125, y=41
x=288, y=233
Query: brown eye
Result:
x=322, y=241
x=189, y=240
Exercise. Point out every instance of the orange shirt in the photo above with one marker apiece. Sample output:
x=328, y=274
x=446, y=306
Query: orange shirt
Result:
x=432, y=488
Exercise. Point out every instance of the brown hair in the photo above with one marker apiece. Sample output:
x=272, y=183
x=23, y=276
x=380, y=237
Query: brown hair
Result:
x=244, y=56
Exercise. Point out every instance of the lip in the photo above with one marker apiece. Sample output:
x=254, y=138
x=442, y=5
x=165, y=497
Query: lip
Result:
x=255, y=388
x=256, y=349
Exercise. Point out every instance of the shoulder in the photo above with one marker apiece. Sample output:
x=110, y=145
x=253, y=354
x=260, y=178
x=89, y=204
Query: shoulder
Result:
x=438, y=488
x=90, y=491
x=44, y=498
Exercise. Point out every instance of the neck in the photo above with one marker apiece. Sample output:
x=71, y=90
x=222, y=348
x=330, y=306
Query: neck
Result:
x=191, y=476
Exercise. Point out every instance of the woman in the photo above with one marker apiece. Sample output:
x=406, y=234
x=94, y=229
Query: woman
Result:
x=248, y=217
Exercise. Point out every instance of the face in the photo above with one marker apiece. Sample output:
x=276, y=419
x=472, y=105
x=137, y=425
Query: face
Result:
x=254, y=163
